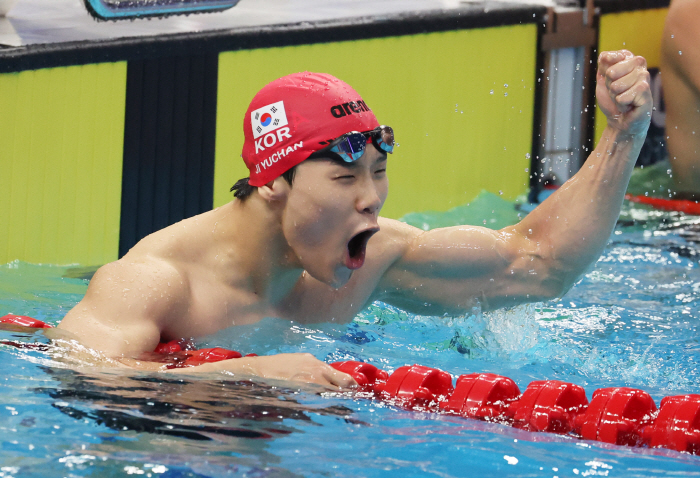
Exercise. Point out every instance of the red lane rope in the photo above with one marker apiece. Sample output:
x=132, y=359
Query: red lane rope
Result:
x=616, y=415
x=681, y=205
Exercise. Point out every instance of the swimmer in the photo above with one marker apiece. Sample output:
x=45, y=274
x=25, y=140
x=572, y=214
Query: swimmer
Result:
x=680, y=68
x=304, y=241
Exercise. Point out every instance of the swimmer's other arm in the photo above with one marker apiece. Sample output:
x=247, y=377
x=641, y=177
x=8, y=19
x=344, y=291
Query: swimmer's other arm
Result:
x=452, y=269
x=129, y=302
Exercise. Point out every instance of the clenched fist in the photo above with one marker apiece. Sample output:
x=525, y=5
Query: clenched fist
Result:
x=623, y=92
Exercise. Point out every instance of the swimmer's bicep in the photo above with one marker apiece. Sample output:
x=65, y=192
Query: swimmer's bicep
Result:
x=453, y=268
x=456, y=252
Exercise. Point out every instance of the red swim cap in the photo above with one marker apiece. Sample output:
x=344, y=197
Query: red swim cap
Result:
x=296, y=115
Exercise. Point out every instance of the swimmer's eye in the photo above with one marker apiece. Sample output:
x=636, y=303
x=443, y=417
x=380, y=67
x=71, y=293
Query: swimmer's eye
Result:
x=346, y=177
x=380, y=171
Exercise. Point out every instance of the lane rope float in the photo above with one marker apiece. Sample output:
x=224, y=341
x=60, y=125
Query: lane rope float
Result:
x=615, y=415
x=679, y=205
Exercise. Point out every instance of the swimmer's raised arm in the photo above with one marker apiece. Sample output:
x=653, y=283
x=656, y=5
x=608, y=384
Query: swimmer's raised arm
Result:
x=450, y=269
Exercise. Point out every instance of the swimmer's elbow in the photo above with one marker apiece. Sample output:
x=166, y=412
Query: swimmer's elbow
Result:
x=558, y=279
x=554, y=288
x=543, y=276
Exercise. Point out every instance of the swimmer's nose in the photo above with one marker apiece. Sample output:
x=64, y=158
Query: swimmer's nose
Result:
x=369, y=202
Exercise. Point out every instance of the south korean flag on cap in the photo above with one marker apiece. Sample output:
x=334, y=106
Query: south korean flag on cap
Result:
x=268, y=118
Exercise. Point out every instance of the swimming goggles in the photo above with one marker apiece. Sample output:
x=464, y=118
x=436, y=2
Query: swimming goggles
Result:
x=351, y=146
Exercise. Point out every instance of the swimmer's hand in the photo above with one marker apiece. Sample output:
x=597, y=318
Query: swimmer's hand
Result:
x=299, y=367
x=623, y=91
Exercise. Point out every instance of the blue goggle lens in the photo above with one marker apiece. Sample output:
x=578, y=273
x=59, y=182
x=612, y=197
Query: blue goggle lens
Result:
x=351, y=146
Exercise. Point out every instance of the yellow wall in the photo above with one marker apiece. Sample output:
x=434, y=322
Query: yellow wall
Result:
x=61, y=142
x=455, y=137
x=639, y=32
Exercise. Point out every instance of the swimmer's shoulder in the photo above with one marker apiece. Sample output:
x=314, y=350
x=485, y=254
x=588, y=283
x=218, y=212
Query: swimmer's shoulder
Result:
x=129, y=302
x=143, y=279
x=184, y=242
x=394, y=239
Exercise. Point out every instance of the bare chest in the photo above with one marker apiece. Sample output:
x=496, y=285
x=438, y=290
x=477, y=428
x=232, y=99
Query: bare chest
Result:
x=215, y=306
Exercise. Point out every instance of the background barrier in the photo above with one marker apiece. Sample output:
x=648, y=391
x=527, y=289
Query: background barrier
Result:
x=111, y=131
x=455, y=111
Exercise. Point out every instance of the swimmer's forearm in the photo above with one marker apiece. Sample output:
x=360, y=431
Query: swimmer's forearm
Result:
x=575, y=223
x=238, y=366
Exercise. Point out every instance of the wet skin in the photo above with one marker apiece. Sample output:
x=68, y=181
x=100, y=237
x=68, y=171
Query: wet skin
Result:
x=680, y=68
x=304, y=252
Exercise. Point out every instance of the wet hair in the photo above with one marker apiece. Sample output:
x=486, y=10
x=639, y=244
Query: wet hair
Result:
x=242, y=190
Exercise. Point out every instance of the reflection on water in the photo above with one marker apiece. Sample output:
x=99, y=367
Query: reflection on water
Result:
x=193, y=409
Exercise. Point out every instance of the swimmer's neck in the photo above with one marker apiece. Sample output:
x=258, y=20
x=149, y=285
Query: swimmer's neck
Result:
x=253, y=240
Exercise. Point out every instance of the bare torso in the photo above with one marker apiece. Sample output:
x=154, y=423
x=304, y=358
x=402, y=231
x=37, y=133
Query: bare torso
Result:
x=191, y=280
x=220, y=296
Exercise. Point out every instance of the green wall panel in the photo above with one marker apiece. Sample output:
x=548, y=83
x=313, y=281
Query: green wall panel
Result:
x=460, y=129
x=61, y=131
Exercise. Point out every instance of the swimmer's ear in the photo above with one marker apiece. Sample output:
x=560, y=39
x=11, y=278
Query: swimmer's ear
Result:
x=274, y=191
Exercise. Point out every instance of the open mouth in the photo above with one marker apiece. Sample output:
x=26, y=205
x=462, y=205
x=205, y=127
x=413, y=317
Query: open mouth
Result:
x=357, y=247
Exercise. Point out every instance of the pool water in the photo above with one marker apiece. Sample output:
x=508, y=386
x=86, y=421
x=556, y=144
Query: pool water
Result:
x=631, y=321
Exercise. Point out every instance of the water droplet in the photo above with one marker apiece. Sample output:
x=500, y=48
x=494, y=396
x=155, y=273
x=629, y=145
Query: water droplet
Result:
x=680, y=52
x=578, y=67
x=506, y=85
x=672, y=36
x=500, y=193
x=491, y=92
x=527, y=155
x=505, y=94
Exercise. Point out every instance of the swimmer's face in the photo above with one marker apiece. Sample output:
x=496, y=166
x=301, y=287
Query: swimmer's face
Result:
x=331, y=213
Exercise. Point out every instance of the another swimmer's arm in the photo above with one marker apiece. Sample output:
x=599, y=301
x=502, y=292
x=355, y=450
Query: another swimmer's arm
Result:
x=680, y=43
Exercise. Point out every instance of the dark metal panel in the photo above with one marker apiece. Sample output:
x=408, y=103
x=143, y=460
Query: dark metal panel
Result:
x=168, y=143
x=616, y=6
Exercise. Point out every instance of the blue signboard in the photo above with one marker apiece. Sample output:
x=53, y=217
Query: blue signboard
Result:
x=129, y=9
